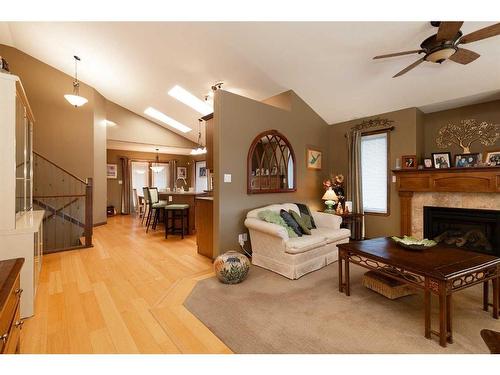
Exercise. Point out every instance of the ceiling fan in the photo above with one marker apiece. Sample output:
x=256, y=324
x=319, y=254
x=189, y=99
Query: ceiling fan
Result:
x=445, y=43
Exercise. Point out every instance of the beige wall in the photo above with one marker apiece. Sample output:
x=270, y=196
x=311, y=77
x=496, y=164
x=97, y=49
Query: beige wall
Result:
x=238, y=120
x=113, y=157
x=489, y=112
x=403, y=141
x=99, y=162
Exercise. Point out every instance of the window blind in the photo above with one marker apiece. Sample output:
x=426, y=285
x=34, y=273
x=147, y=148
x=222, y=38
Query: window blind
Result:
x=374, y=172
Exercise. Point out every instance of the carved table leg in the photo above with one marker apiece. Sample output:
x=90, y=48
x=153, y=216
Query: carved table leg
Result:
x=485, y=295
x=347, y=281
x=448, y=319
x=443, y=314
x=427, y=309
x=341, y=281
x=495, y=297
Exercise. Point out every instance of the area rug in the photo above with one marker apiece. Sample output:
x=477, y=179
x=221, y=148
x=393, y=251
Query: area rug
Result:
x=268, y=313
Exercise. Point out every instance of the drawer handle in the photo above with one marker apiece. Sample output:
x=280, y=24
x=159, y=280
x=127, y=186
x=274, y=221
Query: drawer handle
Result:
x=19, y=324
x=19, y=291
x=4, y=337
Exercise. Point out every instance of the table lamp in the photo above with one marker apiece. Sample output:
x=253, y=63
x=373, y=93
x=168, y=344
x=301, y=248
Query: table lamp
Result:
x=330, y=198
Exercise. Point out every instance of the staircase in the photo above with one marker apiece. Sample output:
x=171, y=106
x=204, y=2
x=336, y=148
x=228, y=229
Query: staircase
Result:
x=67, y=201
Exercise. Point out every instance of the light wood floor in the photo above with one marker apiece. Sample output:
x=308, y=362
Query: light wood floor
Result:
x=124, y=295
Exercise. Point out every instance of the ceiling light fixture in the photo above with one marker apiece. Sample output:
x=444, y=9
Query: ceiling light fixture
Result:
x=190, y=100
x=109, y=123
x=200, y=149
x=75, y=99
x=157, y=115
x=156, y=167
x=441, y=55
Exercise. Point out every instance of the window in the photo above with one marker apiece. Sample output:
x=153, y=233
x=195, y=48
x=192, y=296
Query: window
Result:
x=140, y=176
x=374, y=173
x=161, y=179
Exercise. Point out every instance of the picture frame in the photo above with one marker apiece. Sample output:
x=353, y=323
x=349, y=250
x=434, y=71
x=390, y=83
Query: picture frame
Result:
x=409, y=161
x=467, y=160
x=111, y=170
x=203, y=172
x=428, y=163
x=441, y=160
x=314, y=158
x=492, y=158
x=182, y=172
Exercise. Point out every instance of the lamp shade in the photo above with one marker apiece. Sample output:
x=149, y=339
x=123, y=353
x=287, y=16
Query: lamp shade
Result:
x=330, y=195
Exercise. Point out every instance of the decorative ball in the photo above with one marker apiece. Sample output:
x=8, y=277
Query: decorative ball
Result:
x=231, y=267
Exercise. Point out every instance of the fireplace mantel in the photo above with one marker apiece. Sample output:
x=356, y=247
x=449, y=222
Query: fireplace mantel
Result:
x=462, y=180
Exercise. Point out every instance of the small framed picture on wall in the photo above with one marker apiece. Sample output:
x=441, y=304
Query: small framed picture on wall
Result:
x=112, y=171
x=314, y=158
x=182, y=172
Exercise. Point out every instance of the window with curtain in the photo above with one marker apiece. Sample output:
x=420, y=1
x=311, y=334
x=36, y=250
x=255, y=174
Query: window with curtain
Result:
x=140, y=175
x=374, y=173
x=161, y=179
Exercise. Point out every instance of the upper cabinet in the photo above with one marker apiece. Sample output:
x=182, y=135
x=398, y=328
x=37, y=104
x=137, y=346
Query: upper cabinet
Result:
x=271, y=164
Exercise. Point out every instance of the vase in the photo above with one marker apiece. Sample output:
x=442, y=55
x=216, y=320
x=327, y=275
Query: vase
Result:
x=231, y=267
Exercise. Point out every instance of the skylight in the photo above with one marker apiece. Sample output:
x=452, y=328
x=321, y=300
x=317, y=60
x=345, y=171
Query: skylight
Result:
x=190, y=100
x=160, y=116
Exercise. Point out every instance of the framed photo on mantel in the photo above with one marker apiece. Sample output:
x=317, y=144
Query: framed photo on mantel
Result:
x=314, y=158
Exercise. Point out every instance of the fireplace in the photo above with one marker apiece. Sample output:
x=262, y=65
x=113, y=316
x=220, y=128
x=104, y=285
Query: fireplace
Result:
x=470, y=229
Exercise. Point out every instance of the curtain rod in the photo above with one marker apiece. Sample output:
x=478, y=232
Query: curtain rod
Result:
x=381, y=130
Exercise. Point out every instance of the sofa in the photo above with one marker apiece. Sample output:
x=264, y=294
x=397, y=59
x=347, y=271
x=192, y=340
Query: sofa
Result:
x=273, y=249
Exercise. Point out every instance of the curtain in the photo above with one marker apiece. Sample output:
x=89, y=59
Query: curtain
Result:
x=354, y=187
x=126, y=186
x=173, y=173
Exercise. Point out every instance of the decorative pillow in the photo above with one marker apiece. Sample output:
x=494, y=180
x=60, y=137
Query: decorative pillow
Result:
x=275, y=218
x=290, y=221
x=300, y=221
x=304, y=209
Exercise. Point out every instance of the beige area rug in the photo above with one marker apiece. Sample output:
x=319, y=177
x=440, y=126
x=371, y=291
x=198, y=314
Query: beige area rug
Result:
x=268, y=313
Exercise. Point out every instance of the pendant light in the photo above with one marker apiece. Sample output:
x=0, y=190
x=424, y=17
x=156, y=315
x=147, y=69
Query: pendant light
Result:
x=75, y=99
x=156, y=167
x=200, y=149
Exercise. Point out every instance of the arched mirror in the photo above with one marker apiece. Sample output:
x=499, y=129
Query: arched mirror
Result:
x=271, y=164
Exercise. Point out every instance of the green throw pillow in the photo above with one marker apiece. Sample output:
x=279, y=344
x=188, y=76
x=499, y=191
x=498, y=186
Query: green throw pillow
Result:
x=275, y=218
x=300, y=221
x=307, y=220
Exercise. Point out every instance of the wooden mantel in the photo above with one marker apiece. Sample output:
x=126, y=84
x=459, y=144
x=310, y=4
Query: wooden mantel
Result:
x=461, y=180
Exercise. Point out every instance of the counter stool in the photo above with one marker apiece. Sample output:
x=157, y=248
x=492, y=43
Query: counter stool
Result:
x=173, y=213
x=155, y=207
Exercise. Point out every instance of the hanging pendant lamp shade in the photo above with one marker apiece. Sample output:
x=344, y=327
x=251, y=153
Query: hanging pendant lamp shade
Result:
x=75, y=99
x=200, y=149
x=156, y=167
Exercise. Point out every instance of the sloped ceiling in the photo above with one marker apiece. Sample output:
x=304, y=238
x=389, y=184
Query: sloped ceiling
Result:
x=328, y=64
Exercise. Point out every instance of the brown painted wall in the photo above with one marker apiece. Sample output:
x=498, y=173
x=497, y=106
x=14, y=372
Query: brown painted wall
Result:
x=113, y=157
x=403, y=141
x=489, y=112
x=238, y=120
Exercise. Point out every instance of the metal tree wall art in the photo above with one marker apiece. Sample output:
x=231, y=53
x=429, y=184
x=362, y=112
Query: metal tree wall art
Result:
x=466, y=133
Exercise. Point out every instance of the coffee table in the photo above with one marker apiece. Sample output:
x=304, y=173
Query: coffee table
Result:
x=440, y=270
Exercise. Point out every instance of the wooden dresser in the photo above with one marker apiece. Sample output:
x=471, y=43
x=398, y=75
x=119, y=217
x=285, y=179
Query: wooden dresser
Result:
x=10, y=296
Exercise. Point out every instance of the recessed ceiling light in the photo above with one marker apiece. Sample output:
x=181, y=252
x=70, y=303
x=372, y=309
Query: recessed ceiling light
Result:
x=190, y=100
x=160, y=116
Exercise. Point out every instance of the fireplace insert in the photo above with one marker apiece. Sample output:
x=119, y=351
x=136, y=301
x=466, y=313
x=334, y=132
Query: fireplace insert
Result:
x=470, y=229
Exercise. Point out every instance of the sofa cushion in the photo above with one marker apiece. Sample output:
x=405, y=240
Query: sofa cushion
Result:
x=300, y=220
x=275, y=218
x=303, y=244
x=304, y=210
x=331, y=235
x=290, y=221
x=308, y=220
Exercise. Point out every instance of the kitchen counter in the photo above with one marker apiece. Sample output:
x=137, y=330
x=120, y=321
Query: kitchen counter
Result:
x=205, y=198
x=180, y=193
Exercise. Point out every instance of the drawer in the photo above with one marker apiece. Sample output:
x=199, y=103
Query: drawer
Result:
x=11, y=345
x=12, y=303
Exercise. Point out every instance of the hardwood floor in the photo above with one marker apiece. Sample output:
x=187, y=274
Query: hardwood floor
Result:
x=124, y=295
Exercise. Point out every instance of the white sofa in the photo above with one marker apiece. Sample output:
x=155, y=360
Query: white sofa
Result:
x=294, y=257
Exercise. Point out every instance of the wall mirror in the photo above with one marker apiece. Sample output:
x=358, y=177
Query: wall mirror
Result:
x=271, y=164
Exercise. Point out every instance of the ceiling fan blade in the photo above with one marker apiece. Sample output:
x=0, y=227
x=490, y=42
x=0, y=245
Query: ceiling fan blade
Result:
x=409, y=67
x=486, y=32
x=448, y=30
x=398, y=54
x=464, y=56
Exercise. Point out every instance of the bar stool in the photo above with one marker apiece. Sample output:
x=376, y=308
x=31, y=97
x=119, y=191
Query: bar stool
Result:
x=155, y=207
x=174, y=212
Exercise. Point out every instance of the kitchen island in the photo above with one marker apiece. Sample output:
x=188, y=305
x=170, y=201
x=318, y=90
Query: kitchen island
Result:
x=188, y=197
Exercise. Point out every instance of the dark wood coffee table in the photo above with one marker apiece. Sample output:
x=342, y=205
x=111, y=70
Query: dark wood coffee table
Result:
x=440, y=270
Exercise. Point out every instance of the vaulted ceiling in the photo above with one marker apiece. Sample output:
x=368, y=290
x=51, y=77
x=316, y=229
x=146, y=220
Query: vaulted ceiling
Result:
x=328, y=64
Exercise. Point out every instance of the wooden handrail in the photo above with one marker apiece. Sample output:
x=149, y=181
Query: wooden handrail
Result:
x=89, y=223
x=62, y=169
x=60, y=196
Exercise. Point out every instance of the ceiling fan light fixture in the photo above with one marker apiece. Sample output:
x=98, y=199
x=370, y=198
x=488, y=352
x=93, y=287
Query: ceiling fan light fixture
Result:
x=440, y=55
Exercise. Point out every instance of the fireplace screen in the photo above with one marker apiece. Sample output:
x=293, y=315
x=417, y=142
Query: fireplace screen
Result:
x=470, y=229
